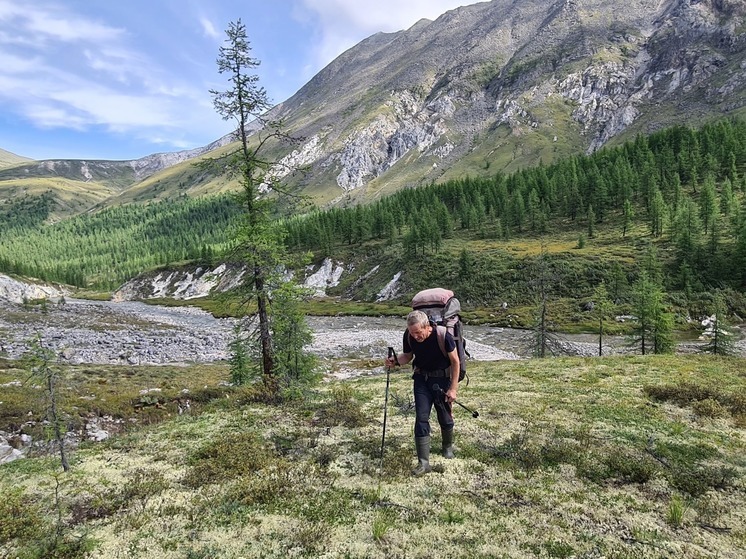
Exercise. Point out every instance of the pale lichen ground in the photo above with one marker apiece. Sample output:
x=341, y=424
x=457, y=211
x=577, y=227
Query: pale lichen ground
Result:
x=476, y=505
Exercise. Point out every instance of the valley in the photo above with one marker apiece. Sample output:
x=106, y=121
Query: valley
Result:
x=560, y=166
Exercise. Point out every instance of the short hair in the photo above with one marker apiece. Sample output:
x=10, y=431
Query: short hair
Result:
x=417, y=318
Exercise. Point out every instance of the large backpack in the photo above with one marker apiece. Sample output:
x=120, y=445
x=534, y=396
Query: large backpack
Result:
x=443, y=309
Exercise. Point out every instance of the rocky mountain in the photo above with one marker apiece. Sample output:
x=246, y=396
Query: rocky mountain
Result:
x=502, y=84
x=90, y=183
x=485, y=88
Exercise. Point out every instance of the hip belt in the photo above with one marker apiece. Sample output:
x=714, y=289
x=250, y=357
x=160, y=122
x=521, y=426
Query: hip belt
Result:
x=433, y=373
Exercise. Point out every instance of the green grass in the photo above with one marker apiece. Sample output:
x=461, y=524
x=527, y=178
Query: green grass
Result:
x=568, y=458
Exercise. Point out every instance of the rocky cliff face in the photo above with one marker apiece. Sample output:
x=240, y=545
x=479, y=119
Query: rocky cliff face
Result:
x=184, y=283
x=505, y=77
x=193, y=282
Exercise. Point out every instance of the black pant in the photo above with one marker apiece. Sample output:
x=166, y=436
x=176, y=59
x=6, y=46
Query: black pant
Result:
x=424, y=399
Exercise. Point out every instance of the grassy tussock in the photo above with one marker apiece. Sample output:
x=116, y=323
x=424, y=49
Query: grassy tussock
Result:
x=613, y=457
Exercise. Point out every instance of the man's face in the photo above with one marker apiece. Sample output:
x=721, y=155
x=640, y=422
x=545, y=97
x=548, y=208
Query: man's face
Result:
x=419, y=333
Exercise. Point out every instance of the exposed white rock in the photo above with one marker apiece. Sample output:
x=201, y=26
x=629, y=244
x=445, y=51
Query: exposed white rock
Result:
x=13, y=447
x=391, y=290
x=181, y=284
x=309, y=152
x=443, y=106
x=16, y=291
x=192, y=288
x=8, y=453
x=365, y=153
x=94, y=432
x=374, y=149
x=326, y=276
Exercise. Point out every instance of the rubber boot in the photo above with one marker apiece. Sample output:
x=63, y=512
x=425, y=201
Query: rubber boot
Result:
x=447, y=443
x=423, y=456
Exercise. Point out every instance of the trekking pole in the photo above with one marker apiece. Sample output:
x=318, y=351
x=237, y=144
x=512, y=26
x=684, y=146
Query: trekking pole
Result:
x=439, y=390
x=392, y=355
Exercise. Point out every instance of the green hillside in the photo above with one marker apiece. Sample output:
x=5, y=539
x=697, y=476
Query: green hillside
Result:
x=8, y=159
x=677, y=194
x=105, y=248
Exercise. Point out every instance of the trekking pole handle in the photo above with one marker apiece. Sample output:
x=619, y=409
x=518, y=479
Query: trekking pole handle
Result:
x=393, y=356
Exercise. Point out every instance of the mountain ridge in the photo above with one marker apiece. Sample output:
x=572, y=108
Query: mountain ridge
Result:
x=490, y=87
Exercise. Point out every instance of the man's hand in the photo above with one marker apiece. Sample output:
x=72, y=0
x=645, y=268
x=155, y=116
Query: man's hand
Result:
x=391, y=361
x=450, y=395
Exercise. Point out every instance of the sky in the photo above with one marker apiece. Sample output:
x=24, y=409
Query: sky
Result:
x=109, y=79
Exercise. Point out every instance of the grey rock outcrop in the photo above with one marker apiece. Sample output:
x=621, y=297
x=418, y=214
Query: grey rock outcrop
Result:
x=193, y=282
x=430, y=95
x=184, y=283
x=16, y=291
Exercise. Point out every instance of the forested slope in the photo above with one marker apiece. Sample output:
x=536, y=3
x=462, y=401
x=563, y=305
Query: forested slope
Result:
x=591, y=218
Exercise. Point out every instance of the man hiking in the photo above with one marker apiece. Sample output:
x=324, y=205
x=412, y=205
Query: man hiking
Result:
x=435, y=382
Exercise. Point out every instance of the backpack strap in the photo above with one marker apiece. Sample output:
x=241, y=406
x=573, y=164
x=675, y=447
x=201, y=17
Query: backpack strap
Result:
x=440, y=332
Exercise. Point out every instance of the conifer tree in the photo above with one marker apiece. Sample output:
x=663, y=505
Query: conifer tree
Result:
x=258, y=240
x=544, y=341
x=721, y=338
x=628, y=216
x=591, y=222
x=658, y=212
x=41, y=360
x=294, y=366
x=602, y=306
x=708, y=203
x=654, y=328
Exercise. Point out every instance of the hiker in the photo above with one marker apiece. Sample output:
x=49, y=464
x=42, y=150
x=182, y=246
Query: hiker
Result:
x=435, y=382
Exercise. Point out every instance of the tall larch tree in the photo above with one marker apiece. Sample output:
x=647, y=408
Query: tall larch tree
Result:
x=257, y=240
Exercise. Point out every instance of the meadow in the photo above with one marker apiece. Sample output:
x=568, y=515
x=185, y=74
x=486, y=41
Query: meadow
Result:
x=622, y=457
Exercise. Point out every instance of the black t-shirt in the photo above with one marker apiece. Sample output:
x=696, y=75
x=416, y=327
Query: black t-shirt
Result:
x=427, y=354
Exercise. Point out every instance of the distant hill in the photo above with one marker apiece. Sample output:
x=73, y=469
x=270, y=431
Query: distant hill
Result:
x=81, y=185
x=495, y=86
x=8, y=159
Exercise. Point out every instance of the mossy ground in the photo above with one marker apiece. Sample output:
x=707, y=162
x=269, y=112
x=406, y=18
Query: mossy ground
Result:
x=569, y=457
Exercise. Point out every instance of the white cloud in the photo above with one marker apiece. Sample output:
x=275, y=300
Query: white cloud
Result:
x=63, y=70
x=142, y=69
x=51, y=23
x=52, y=117
x=209, y=29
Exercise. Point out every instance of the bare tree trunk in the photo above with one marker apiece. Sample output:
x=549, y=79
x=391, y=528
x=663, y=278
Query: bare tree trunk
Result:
x=265, y=337
x=58, y=436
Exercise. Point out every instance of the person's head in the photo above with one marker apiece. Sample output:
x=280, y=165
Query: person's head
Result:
x=418, y=325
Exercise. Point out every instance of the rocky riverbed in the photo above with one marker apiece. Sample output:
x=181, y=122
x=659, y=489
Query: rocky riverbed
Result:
x=135, y=333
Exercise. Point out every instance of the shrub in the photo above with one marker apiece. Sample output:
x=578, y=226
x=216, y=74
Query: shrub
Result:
x=682, y=394
x=53, y=547
x=706, y=401
x=709, y=408
x=630, y=467
x=19, y=517
x=343, y=409
x=227, y=457
x=697, y=480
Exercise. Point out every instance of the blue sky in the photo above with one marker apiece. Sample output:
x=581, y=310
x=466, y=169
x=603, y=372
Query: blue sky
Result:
x=121, y=79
